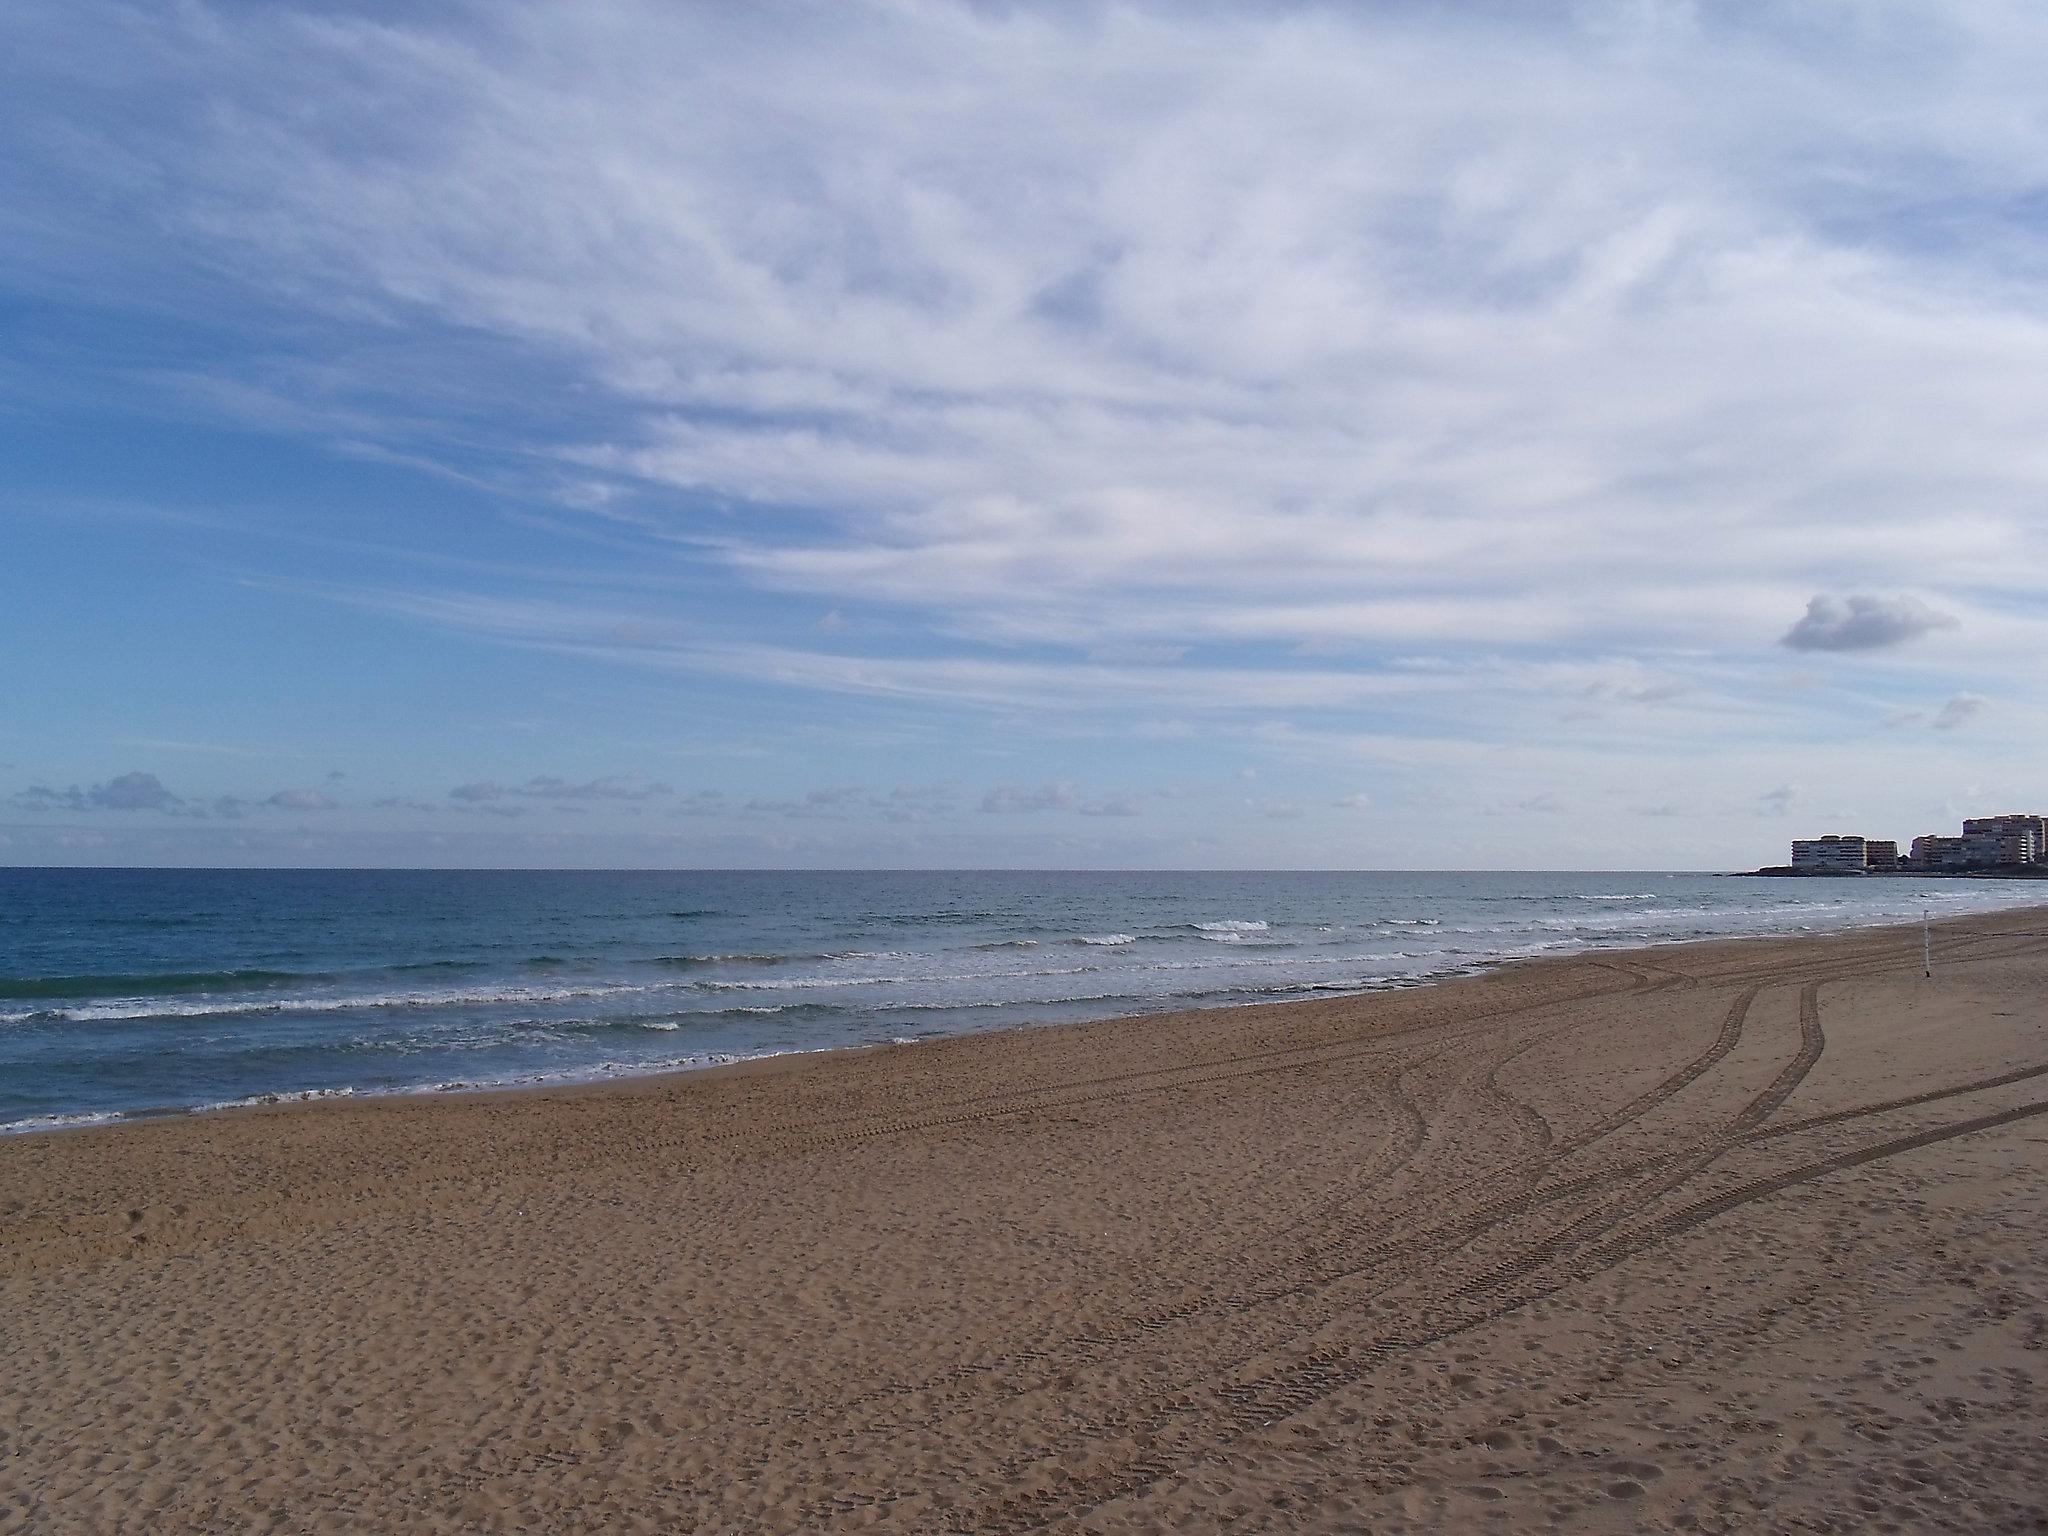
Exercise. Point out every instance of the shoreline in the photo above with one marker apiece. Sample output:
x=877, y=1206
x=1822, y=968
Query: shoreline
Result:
x=571, y=1081
x=599, y=1080
x=1722, y=1233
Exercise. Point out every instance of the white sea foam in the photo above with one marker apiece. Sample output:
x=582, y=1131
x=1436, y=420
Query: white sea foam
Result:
x=1233, y=925
x=258, y=1100
x=1108, y=938
x=160, y=1008
x=56, y=1122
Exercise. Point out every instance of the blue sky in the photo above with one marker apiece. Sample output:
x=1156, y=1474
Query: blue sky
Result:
x=923, y=434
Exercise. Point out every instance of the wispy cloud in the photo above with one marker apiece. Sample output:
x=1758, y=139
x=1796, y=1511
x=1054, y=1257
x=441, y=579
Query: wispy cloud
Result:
x=1960, y=710
x=1293, y=325
x=1320, y=384
x=618, y=786
x=1016, y=799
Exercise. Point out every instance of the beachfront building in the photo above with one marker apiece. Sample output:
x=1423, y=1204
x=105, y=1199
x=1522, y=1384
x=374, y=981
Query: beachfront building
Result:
x=1986, y=848
x=2016, y=839
x=1940, y=853
x=1987, y=843
x=1835, y=854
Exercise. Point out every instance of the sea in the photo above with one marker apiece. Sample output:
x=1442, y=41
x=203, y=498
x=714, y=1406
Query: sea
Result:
x=135, y=993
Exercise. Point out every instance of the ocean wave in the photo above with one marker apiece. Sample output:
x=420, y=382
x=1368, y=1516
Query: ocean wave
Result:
x=24, y=988
x=1105, y=939
x=116, y=1009
x=797, y=957
x=259, y=1100
x=1232, y=925
x=60, y=1122
x=598, y=1071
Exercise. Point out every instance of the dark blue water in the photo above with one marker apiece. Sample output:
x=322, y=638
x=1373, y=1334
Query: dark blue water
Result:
x=131, y=992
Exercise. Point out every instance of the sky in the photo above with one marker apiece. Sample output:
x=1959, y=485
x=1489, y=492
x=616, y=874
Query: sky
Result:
x=894, y=433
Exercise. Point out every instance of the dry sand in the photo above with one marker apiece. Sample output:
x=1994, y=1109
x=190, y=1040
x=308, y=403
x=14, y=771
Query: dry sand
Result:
x=1725, y=1237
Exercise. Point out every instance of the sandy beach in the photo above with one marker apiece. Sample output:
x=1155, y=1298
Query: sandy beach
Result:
x=1734, y=1236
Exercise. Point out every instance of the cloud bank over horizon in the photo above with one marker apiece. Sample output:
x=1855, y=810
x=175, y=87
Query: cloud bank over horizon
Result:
x=1510, y=435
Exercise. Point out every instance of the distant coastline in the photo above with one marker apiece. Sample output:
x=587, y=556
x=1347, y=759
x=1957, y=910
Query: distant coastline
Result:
x=2011, y=846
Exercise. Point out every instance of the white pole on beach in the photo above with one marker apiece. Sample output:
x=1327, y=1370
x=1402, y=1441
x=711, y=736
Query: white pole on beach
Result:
x=1926, y=945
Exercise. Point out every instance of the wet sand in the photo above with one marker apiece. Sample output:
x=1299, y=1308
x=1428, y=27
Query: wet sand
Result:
x=1725, y=1237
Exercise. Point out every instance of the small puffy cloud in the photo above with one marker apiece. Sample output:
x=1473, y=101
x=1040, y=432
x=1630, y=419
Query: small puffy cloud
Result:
x=132, y=792
x=1861, y=623
x=125, y=792
x=1360, y=802
x=1776, y=802
x=1012, y=799
x=1960, y=710
x=1121, y=805
x=303, y=800
x=479, y=792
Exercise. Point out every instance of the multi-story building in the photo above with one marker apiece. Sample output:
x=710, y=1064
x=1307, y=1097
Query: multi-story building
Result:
x=1990, y=850
x=1933, y=852
x=1987, y=843
x=2023, y=837
x=1977, y=849
x=1835, y=854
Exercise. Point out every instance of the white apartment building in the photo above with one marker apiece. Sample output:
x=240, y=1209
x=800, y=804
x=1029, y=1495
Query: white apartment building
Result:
x=1835, y=854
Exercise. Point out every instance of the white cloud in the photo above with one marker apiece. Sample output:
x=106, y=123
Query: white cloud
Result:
x=1444, y=385
x=1298, y=325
